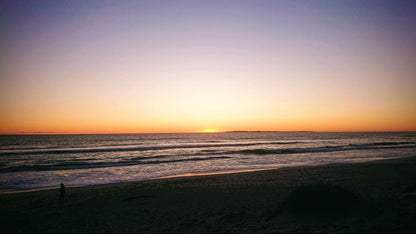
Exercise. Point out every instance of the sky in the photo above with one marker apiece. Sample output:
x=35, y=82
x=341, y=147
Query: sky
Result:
x=189, y=66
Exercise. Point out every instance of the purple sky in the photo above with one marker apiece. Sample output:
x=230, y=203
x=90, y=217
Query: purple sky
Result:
x=174, y=66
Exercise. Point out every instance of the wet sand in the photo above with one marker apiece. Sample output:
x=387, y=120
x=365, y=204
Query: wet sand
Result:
x=383, y=201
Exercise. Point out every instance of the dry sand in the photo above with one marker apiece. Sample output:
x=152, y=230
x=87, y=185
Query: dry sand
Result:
x=252, y=202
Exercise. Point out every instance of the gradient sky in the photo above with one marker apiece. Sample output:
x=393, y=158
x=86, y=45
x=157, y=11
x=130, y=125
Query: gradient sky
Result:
x=184, y=66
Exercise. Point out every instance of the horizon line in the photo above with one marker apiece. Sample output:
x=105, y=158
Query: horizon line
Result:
x=202, y=132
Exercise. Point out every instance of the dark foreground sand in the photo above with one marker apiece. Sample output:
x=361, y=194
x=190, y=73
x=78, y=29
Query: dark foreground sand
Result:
x=373, y=197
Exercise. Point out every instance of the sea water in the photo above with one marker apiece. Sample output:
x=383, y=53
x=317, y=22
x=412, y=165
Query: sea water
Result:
x=36, y=161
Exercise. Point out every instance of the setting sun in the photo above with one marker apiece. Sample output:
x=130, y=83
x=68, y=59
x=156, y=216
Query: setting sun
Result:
x=210, y=130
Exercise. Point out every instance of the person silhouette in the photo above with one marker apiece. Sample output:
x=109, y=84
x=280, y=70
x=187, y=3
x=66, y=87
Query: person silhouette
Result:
x=62, y=192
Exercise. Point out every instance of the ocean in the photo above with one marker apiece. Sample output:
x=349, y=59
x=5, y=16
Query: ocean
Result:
x=39, y=161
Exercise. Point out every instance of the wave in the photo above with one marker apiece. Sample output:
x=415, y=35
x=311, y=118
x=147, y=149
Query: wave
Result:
x=383, y=143
x=206, y=152
x=321, y=149
x=70, y=165
x=139, y=148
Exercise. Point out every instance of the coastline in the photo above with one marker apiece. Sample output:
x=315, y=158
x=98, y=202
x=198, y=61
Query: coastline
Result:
x=234, y=202
x=207, y=173
x=28, y=190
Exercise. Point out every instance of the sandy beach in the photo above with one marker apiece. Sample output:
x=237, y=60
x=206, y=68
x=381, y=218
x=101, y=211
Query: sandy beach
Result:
x=370, y=197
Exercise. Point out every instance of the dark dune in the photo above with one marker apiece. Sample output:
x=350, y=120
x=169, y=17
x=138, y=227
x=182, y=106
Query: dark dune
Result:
x=371, y=197
x=320, y=199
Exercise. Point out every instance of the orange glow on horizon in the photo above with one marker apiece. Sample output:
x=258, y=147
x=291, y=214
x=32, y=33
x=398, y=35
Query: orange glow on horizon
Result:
x=210, y=130
x=324, y=125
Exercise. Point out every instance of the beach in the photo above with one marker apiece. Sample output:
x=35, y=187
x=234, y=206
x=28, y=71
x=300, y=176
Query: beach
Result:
x=263, y=201
x=180, y=116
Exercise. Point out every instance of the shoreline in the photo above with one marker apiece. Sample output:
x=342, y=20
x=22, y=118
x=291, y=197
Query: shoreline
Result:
x=200, y=174
x=245, y=202
x=208, y=173
x=197, y=174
